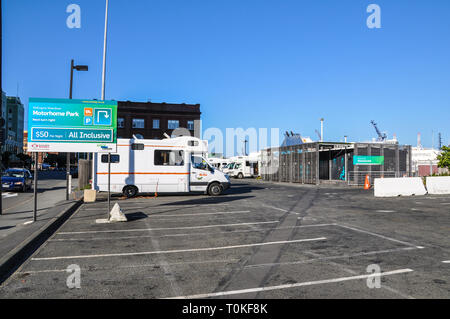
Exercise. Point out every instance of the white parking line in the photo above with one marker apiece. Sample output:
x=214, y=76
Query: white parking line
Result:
x=200, y=214
x=170, y=228
x=8, y=195
x=446, y=261
x=280, y=209
x=376, y=252
x=191, y=234
x=216, y=261
x=380, y=236
x=180, y=250
x=288, y=286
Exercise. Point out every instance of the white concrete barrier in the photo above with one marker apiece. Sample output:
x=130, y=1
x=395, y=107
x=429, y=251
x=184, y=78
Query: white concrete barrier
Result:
x=438, y=185
x=406, y=186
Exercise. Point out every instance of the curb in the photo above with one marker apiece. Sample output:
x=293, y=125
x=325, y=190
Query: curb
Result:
x=16, y=257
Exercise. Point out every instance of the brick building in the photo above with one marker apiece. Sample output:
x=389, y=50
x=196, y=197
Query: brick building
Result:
x=152, y=120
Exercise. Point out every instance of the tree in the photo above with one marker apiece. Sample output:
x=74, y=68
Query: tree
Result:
x=26, y=159
x=6, y=158
x=444, y=158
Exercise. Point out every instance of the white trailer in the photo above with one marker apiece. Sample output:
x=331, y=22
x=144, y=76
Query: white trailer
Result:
x=175, y=165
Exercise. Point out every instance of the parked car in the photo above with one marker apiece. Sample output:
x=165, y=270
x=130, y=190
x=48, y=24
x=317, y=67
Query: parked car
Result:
x=16, y=179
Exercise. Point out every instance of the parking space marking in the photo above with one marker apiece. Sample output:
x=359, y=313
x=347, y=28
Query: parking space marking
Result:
x=212, y=261
x=289, y=286
x=169, y=228
x=378, y=235
x=376, y=252
x=180, y=250
x=280, y=209
x=8, y=195
x=191, y=234
x=446, y=261
x=201, y=214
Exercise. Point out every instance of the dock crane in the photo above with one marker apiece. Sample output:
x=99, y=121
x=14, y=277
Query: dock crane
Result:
x=319, y=135
x=382, y=137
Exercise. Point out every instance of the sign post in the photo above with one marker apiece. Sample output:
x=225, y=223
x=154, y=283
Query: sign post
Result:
x=72, y=126
x=35, y=185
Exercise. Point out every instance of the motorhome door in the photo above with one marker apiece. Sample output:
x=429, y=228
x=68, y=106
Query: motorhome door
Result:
x=200, y=173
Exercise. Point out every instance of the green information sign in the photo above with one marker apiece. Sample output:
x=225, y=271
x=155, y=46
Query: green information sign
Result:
x=368, y=160
x=56, y=125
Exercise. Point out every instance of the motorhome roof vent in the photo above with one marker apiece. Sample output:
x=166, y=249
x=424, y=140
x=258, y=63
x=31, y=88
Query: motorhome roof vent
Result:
x=192, y=143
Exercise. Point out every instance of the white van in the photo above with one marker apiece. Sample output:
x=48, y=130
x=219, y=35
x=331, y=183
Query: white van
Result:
x=175, y=165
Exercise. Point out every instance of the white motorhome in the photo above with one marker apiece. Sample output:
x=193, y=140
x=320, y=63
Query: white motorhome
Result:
x=244, y=166
x=218, y=163
x=173, y=165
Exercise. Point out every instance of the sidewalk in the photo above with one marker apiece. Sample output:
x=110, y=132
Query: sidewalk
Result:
x=19, y=240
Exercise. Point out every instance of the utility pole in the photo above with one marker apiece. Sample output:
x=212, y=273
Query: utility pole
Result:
x=245, y=147
x=104, y=52
x=2, y=120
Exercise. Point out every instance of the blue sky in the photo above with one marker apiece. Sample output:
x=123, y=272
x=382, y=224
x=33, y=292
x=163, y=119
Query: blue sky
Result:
x=249, y=63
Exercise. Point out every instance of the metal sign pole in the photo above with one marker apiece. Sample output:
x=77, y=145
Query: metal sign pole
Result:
x=1, y=169
x=35, y=186
x=109, y=184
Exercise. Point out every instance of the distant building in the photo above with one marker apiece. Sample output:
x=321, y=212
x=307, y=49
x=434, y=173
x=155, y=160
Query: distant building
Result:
x=25, y=142
x=151, y=120
x=295, y=139
x=3, y=115
x=424, y=161
x=14, y=125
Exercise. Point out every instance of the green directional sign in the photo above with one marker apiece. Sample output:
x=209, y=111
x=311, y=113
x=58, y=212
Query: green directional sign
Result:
x=57, y=125
x=368, y=160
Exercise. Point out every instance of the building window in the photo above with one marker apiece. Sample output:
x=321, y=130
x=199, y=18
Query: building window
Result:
x=173, y=124
x=169, y=158
x=156, y=123
x=138, y=123
x=120, y=122
x=190, y=125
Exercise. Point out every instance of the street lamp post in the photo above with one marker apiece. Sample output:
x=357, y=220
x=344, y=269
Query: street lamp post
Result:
x=103, y=98
x=78, y=68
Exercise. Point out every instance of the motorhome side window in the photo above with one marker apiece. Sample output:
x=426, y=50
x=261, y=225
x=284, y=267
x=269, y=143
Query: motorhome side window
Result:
x=169, y=158
x=137, y=147
x=114, y=158
x=199, y=163
x=192, y=143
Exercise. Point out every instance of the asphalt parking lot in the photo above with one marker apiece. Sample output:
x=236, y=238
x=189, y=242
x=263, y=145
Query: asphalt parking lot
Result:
x=259, y=240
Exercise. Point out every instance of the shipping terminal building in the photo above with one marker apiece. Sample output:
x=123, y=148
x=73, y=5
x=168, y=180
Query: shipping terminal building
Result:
x=335, y=162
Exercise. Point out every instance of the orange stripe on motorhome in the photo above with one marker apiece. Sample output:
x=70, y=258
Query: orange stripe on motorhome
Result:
x=144, y=173
x=151, y=146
